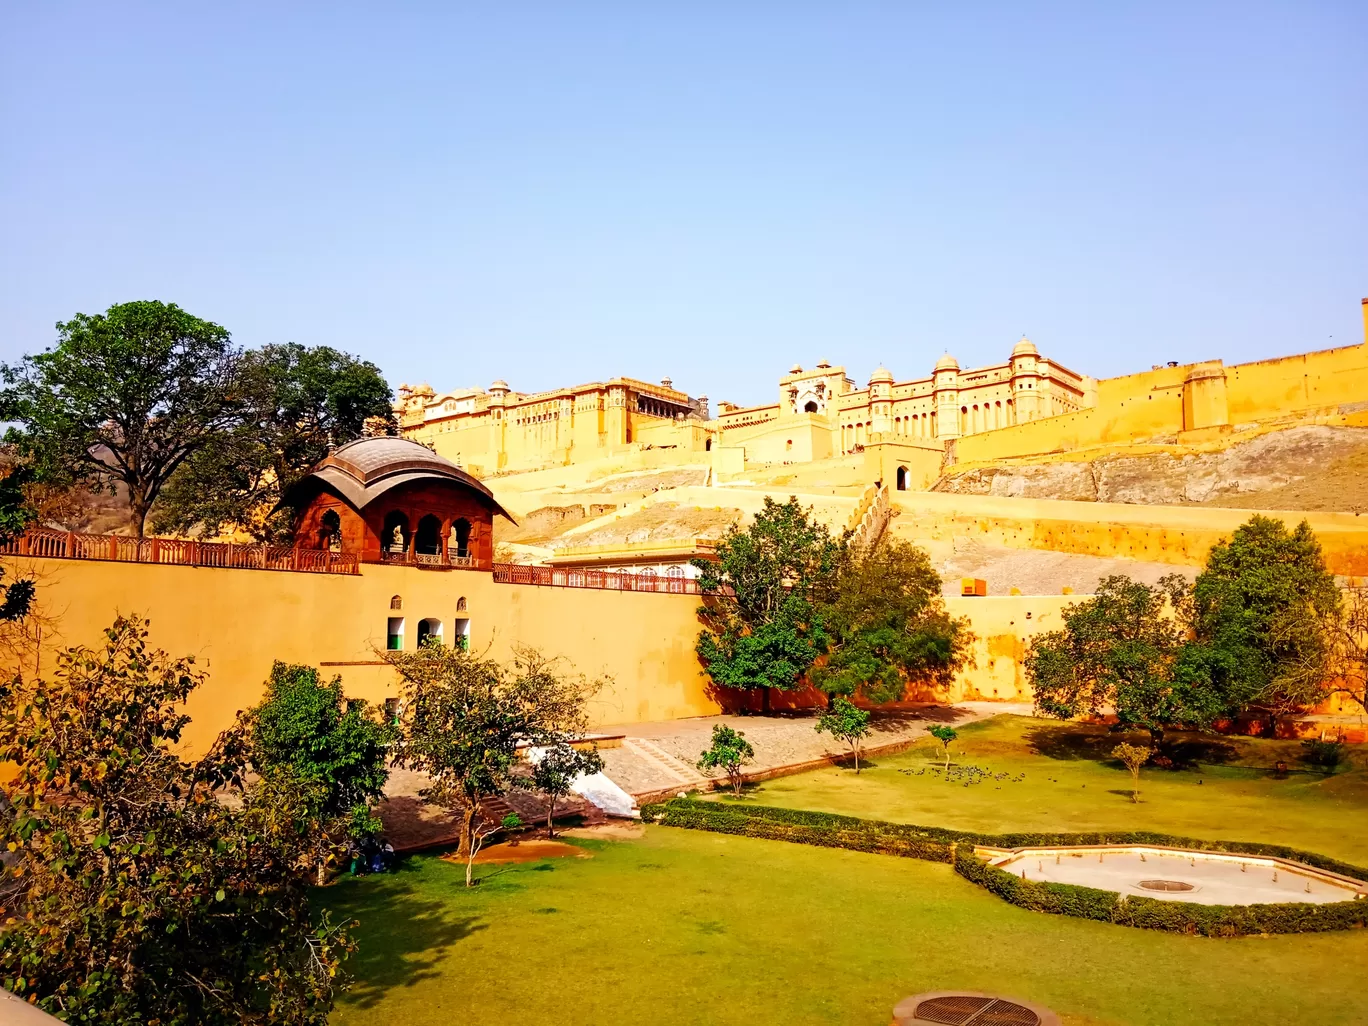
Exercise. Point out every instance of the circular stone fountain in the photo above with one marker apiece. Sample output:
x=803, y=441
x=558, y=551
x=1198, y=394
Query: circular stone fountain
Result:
x=1176, y=874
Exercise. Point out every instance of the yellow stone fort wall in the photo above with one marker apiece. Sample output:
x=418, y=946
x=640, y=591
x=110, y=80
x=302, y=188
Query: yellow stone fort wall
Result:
x=237, y=622
x=1151, y=404
x=1180, y=535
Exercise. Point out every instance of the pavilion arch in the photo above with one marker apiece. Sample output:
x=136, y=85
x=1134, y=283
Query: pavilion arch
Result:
x=395, y=535
x=427, y=541
x=810, y=407
x=331, y=530
x=460, y=537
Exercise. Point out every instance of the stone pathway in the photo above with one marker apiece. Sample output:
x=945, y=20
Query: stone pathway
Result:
x=658, y=758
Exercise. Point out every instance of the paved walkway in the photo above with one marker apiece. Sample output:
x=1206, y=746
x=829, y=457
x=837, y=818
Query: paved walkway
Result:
x=656, y=758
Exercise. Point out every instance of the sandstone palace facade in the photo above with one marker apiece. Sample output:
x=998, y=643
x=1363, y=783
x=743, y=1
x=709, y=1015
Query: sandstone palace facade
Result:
x=820, y=413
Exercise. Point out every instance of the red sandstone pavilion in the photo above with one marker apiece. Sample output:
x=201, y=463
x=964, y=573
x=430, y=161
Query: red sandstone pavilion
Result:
x=391, y=500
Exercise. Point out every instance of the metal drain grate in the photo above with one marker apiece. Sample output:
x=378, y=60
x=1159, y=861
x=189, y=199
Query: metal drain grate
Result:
x=974, y=1011
x=955, y=1010
x=944, y=1008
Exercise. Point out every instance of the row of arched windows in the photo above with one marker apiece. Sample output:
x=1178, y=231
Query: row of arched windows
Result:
x=428, y=539
x=986, y=417
x=917, y=425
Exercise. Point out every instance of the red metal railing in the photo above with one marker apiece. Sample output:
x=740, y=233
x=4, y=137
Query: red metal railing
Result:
x=556, y=577
x=49, y=544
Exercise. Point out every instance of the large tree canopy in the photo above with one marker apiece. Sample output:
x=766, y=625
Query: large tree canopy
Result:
x=889, y=627
x=137, y=893
x=464, y=716
x=1260, y=628
x=1258, y=613
x=762, y=623
x=308, y=731
x=296, y=405
x=124, y=397
x=1123, y=650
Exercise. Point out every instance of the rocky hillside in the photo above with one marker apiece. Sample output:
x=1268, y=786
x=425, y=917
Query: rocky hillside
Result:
x=1311, y=468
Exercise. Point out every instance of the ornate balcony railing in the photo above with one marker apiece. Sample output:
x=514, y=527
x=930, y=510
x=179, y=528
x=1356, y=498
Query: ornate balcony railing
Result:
x=46, y=543
x=604, y=580
x=436, y=559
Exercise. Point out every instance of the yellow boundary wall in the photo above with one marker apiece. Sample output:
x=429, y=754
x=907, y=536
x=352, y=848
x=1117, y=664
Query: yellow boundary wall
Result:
x=1149, y=405
x=235, y=623
x=1181, y=535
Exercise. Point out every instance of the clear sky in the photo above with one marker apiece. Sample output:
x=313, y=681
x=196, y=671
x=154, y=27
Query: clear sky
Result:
x=558, y=192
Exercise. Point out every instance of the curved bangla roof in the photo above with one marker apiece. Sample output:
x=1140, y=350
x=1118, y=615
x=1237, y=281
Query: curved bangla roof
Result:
x=363, y=470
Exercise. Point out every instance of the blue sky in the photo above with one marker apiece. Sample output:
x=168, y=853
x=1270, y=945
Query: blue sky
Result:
x=559, y=192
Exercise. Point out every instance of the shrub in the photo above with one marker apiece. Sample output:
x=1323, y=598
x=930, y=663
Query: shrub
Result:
x=1323, y=753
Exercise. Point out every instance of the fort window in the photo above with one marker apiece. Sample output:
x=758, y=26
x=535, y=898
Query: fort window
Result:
x=810, y=407
x=460, y=634
x=461, y=604
x=429, y=632
x=394, y=634
x=391, y=710
x=395, y=537
x=428, y=540
x=461, y=532
x=396, y=602
x=707, y=445
x=902, y=479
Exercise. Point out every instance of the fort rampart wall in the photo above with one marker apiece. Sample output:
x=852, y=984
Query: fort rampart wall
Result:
x=1181, y=535
x=1168, y=401
x=237, y=622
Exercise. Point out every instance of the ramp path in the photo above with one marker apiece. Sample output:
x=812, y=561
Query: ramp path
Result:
x=659, y=759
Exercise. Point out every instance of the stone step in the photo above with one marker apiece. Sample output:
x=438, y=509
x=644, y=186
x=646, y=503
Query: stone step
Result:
x=656, y=756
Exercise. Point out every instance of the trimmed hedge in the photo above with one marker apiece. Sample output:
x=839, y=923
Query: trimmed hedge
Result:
x=936, y=844
x=849, y=833
x=1155, y=914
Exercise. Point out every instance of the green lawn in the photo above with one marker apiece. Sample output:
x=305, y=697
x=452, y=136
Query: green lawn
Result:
x=683, y=927
x=1233, y=793
x=693, y=928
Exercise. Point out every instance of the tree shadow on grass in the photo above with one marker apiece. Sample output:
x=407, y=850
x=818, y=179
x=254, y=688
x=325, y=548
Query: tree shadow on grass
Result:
x=1085, y=741
x=403, y=938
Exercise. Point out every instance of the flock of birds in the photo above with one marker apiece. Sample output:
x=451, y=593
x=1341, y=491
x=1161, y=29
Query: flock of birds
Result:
x=968, y=775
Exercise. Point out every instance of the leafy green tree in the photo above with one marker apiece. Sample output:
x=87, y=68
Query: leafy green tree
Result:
x=946, y=736
x=845, y=721
x=558, y=768
x=728, y=752
x=1259, y=612
x=1133, y=757
x=310, y=731
x=465, y=716
x=16, y=515
x=761, y=622
x=123, y=399
x=1125, y=650
x=144, y=888
x=298, y=403
x=889, y=627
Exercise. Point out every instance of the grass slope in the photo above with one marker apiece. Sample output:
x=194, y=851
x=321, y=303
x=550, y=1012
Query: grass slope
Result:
x=1068, y=787
x=689, y=928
